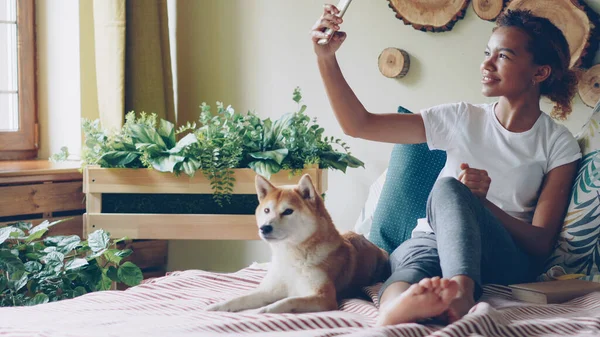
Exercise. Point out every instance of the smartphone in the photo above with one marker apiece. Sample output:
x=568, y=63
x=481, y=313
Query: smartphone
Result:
x=342, y=6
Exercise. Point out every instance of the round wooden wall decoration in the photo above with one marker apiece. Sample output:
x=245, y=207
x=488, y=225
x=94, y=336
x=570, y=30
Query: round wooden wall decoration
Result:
x=393, y=62
x=589, y=86
x=488, y=9
x=430, y=15
x=571, y=17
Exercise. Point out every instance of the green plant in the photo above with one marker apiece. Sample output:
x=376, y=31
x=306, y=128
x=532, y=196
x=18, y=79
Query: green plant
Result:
x=224, y=141
x=35, y=268
x=60, y=156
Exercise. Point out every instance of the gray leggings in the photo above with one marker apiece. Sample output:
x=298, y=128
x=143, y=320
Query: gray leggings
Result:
x=467, y=240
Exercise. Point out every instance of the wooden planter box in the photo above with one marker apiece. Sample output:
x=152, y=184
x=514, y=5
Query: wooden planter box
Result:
x=99, y=181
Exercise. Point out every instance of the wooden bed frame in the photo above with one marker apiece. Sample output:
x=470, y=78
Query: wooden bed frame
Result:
x=97, y=181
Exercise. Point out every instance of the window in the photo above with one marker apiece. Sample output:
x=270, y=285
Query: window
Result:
x=18, y=115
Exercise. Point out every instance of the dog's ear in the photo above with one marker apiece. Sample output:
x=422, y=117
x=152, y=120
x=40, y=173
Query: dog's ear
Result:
x=306, y=188
x=263, y=186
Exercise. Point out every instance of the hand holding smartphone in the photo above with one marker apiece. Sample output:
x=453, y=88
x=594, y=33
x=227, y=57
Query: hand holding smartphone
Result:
x=342, y=7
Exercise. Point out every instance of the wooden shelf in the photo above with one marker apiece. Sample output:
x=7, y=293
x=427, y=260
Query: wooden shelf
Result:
x=30, y=171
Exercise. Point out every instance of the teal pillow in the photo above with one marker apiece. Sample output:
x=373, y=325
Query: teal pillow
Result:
x=412, y=171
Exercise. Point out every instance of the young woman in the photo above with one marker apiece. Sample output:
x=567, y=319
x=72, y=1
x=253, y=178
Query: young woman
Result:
x=495, y=210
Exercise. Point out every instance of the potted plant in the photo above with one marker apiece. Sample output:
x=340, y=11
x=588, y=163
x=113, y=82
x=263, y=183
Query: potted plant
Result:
x=36, y=268
x=227, y=148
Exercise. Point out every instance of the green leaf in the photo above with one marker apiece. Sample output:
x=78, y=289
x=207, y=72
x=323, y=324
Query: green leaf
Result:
x=104, y=283
x=265, y=168
x=75, y=263
x=354, y=162
x=36, y=235
x=130, y=274
x=54, y=261
x=60, y=156
x=190, y=166
x=17, y=233
x=275, y=155
x=166, y=130
x=32, y=267
x=95, y=255
x=45, y=225
x=38, y=299
x=124, y=253
x=338, y=165
x=165, y=163
x=53, y=240
x=146, y=134
x=188, y=140
x=10, y=262
x=98, y=240
x=3, y=283
x=123, y=145
x=297, y=97
x=152, y=150
x=120, y=240
x=23, y=226
x=68, y=244
x=18, y=282
x=112, y=273
x=120, y=158
x=35, y=247
x=113, y=255
x=33, y=256
x=78, y=291
x=50, y=249
x=5, y=233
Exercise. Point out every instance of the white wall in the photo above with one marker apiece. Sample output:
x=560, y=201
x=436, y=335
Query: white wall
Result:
x=252, y=54
x=59, y=89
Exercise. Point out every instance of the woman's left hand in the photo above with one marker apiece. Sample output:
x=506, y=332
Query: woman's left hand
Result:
x=476, y=180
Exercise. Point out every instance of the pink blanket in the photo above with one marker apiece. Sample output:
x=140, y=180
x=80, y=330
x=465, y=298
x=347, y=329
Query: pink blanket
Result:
x=174, y=306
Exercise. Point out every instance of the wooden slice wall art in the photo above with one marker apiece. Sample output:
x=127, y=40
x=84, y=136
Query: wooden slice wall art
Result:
x=488, y=9
x=589, y=86
x=393, y=63
x=430, y=15
x=577, y=22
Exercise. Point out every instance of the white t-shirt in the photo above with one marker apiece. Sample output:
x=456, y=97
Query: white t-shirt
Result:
x=515, y=162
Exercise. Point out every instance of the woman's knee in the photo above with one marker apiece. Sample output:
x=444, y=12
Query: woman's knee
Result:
x=448, y=185
x=447, y=188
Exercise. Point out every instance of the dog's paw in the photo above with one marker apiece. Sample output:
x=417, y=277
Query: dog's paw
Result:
x=274, y=308
x=254, y=311
x=222, y=306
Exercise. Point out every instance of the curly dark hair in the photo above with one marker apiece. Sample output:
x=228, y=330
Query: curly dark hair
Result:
x=548, y=46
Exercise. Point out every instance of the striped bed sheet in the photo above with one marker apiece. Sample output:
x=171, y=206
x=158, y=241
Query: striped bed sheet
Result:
x=174, y=306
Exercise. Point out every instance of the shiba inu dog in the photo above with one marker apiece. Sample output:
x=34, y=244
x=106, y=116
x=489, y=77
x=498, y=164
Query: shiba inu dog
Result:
x=312, y=264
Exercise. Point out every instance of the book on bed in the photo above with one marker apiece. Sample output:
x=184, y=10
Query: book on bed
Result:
x=553, y=291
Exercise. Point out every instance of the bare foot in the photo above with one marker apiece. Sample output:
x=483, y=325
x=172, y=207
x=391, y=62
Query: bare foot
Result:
x=429, y=298
x=459, y=307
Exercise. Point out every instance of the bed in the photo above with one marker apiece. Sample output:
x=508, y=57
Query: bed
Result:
x=173, y=305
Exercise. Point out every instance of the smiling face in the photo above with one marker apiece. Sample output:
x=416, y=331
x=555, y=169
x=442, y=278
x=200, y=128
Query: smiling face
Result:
x=508, y=69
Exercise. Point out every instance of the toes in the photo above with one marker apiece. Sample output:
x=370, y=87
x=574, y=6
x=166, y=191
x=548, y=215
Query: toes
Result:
x=426, y=283
x=444, y=282
x=436, y=285
x=417, y=289
x=449, y=292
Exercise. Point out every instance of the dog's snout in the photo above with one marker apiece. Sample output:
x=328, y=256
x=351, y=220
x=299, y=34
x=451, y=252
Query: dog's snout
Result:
x=266, y=229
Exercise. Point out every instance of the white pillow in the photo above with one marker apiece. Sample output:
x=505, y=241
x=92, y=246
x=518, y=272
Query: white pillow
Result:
x=365, y=219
